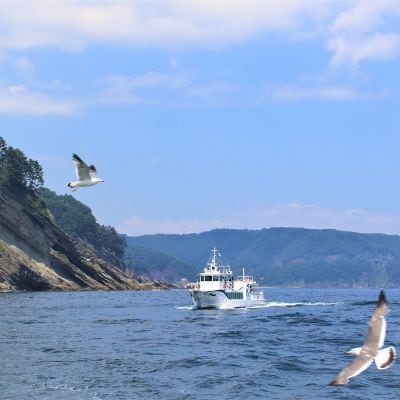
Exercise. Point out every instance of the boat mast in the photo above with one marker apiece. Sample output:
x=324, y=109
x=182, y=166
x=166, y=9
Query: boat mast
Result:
x=214, y=261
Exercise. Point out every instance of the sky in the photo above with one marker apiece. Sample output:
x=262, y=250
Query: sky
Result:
x=203, y=114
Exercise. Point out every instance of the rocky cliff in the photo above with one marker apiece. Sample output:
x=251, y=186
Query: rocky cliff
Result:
x=37, y=255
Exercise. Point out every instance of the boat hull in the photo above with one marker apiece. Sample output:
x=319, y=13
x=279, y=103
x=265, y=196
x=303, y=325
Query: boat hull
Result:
x=218, y=299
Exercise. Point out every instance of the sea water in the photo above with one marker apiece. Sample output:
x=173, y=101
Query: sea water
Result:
x=153, y=345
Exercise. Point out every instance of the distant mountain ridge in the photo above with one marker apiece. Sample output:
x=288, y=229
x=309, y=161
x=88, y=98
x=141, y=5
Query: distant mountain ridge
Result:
x=288, y=256
x=157, y=265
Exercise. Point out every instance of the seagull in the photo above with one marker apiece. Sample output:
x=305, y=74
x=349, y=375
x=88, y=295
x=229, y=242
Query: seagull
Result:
x=370, y=352
x=86, y=175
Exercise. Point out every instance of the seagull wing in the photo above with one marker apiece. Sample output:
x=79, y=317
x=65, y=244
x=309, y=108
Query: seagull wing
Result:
x=360, y=364
x=81, y=169
x=377, y=325
x=92, y=171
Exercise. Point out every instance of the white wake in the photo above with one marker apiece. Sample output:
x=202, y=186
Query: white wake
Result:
x=298, y=304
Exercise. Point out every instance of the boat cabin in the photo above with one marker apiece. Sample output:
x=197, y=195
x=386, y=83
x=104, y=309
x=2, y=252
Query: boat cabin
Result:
x=215, y=275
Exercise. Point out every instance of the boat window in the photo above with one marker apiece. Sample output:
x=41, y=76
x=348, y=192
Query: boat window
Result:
x=202, y=278
x=215, y=278
x=208, y=278
x=234, y=295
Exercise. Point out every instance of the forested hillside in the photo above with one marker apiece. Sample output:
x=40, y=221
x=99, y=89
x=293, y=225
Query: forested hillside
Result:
x=77, y=219
x=157, y=265
x=291, y=256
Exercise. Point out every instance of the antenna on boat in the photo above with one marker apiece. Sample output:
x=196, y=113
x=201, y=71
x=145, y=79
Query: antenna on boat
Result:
x=214, y=257
x=215, y=251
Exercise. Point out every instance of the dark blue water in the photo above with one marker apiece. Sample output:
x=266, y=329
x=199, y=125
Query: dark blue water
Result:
x=136, y=345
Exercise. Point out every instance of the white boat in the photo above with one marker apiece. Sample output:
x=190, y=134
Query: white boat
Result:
x=216, y=287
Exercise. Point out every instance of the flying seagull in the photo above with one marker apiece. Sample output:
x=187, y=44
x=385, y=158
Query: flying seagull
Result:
x=86, y=175
x=370, y=352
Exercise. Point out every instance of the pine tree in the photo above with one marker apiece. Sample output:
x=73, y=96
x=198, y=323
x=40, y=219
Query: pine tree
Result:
x=18, y=172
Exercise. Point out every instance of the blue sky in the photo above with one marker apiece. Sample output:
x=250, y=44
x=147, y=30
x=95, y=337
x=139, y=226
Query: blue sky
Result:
x=202, y=115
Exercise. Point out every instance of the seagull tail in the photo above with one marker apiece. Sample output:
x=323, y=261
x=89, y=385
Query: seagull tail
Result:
x=385, y=357
x=73, y=187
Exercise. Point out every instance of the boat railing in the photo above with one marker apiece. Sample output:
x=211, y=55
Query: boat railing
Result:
x=257, y=295
x=193, y=285
x=222, y=285
x=245, y=278
x=226, y=285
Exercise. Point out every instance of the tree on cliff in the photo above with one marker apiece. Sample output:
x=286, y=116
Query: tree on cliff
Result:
x=17, y=171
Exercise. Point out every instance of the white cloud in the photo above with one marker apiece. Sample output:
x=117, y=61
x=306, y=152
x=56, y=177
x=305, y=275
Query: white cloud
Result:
x=298, y=93
x=155, y=87
x=75, y=25
x=19, y=100
x=145, y=88
x=23, y=64
x=364, y=16
x=68, y=25
x=211, y=93
x=361, y=32
x=380, y=46
x=147, y=80
x=136, y=226
x=283, y=215
x=319, y=217
x=353, y=31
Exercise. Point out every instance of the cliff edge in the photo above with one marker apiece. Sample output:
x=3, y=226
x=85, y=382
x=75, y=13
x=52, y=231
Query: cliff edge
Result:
x=35, y=254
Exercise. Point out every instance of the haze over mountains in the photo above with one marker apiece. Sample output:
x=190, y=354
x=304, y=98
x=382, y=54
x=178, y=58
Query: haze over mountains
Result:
x=281, y=256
